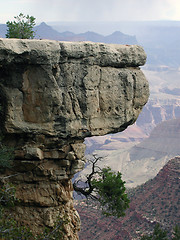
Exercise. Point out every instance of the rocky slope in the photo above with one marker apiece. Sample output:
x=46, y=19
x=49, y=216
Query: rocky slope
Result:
x=156, y=201
x=53, y=95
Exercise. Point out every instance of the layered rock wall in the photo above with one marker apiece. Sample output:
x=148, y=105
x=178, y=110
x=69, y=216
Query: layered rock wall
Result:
x=53, y=95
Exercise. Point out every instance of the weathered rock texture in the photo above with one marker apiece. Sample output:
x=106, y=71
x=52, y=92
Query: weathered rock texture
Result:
x=53, y=95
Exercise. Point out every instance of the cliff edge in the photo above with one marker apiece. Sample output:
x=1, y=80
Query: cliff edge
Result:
x=53, y=95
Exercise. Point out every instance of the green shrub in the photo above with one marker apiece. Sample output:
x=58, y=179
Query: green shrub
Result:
x=21, y=27
x=111, y=194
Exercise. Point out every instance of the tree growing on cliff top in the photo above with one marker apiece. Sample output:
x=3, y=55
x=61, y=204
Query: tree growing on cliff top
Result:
x=106, y=188
x=21, y=27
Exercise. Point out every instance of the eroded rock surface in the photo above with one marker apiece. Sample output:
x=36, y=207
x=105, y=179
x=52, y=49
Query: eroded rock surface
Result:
x=53, y=95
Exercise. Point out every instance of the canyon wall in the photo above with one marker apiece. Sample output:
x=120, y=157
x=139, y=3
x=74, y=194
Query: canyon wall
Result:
x=52, y=96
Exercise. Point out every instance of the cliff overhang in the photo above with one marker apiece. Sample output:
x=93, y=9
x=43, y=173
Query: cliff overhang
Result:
x=53, y=95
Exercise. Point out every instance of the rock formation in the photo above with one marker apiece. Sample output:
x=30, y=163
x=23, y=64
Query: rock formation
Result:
x=53, y=95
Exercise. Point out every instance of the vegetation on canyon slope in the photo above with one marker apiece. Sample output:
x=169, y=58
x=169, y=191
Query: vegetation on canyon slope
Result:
x=161, y=234
x=154, y=202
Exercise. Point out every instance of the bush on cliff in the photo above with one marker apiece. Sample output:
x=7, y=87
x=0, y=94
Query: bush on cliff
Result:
x=106, y=188
x=111, y=193
x=21, y=27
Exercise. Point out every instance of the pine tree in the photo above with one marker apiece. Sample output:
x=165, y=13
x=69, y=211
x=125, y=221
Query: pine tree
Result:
x=21, y=27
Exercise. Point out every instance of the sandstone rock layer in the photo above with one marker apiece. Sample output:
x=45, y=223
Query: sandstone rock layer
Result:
x=53, y=95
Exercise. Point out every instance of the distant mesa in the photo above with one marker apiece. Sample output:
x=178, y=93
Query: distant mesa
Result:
x=163, y=141
x=3, y=30
x=125, y=39
x=174, y=91
x=146, y=158
x=47, y=32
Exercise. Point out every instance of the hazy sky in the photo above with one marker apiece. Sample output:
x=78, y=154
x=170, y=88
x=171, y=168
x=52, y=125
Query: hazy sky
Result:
x=91, y=10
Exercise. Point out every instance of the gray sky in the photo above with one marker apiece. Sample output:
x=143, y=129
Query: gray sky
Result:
x=91, y=10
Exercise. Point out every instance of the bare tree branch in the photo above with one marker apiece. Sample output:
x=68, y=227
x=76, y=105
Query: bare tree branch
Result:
x=89, y=189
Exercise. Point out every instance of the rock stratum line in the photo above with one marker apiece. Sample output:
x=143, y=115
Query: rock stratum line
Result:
x=52, y=96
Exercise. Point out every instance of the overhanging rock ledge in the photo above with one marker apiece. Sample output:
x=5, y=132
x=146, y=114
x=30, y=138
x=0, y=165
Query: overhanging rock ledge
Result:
x=53, y=95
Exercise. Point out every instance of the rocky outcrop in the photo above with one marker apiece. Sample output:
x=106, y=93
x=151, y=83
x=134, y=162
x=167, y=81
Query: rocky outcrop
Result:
x=53, y=95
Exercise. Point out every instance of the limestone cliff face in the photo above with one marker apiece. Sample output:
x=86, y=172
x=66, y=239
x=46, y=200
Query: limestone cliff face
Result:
x=53, y=95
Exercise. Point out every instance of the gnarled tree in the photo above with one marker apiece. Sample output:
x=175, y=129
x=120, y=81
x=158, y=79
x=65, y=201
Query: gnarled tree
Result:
x=106, y=187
